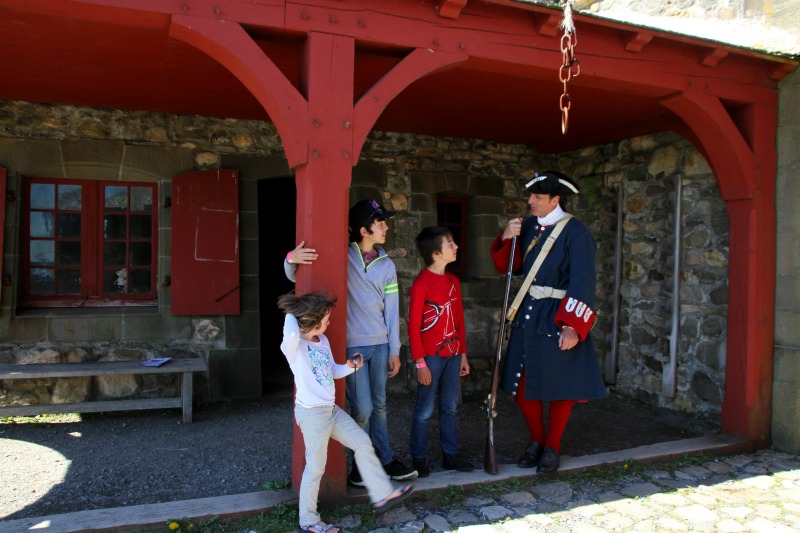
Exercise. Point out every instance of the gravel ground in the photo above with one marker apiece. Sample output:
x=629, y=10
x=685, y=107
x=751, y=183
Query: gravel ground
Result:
x=73, y=463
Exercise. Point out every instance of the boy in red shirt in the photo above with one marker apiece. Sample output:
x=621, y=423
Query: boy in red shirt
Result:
x=438, y=347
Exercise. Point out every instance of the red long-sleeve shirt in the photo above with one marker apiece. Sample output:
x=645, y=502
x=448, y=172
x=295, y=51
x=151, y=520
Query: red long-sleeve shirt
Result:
x=436, y=316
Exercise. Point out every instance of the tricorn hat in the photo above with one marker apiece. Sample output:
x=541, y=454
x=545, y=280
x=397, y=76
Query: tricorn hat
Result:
x=552, y=182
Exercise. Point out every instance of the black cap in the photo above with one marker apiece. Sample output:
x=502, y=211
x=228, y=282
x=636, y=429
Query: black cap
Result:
x=552, y=182
x=363, y=212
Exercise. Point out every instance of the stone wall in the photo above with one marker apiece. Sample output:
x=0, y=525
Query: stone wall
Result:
x=409, y=172
x=786, y=362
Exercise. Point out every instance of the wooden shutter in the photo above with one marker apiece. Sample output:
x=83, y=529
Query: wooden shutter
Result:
x=205, y=243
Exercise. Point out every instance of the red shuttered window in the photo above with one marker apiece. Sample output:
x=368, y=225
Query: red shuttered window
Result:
x=89, y=243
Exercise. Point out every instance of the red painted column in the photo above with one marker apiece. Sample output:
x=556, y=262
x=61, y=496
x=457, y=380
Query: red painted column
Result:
x=742, y=155
x=322, y=206
x=747, y=409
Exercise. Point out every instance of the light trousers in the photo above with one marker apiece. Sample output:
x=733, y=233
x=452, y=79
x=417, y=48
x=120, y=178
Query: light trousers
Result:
x=319, y=425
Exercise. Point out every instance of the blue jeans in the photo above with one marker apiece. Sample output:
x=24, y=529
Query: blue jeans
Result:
x=366, y=391
x=445, y=377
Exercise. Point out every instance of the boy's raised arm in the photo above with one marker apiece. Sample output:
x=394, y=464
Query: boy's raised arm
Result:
x=299, y=256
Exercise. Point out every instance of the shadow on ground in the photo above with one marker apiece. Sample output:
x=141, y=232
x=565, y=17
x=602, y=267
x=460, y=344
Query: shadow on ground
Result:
x=120, y=459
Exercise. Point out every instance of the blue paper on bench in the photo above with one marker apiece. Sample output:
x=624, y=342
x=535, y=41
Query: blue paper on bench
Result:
x=158, y=361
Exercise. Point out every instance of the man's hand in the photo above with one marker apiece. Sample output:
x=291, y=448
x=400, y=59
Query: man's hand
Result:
x=568, y=338
x=394, y=365
x=424, y=376
x=302, y=255
x=513, y=228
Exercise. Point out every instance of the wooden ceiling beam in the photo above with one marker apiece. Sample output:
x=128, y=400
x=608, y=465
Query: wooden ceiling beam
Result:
x=713, y=57
x=450, y=8
x=547, y=25
x=637, y=41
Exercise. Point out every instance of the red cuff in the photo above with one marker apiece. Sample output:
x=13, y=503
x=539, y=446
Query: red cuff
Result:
x=575, y=314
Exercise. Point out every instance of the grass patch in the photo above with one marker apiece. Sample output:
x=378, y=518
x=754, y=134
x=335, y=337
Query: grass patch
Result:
x=65, y=418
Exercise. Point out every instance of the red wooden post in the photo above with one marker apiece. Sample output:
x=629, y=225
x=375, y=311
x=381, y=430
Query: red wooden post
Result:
x=322, y=205
x=743, y=158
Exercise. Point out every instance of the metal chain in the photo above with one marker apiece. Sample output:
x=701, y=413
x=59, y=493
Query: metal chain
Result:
x=570, y=66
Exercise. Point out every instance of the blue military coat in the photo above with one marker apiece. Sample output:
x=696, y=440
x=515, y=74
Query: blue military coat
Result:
x=552, y=373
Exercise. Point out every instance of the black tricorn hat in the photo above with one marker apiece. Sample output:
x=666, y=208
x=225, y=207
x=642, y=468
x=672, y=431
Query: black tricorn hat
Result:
x=552, y=182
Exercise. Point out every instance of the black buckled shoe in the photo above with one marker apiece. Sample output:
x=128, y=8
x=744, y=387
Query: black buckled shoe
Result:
x=532, y=455
x=549, y=462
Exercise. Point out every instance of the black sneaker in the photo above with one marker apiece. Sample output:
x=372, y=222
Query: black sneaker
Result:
x=355, y=477
x=421, y=466
x=455, y=462
x=398, y=471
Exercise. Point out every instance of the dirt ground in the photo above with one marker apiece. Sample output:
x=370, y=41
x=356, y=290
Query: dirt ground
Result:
x=118, y=459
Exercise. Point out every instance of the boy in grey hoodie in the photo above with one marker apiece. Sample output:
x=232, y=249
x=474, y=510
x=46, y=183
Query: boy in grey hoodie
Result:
x=373, y=326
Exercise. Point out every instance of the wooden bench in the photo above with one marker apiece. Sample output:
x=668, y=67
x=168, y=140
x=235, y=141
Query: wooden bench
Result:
x=185, y=367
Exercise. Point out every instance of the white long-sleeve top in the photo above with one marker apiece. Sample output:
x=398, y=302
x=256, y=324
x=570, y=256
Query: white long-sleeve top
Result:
x=312, y=365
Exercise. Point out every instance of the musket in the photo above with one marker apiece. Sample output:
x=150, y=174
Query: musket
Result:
x=490, y=457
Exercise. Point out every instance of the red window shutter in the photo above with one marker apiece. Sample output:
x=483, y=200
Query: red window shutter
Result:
x=205, y=243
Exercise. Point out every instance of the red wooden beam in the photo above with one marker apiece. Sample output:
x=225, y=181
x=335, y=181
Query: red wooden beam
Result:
x=547, y=23
x=414, y=66
x=747, y=183
x=322, y=203
x=233, y=48
x=450, y=8
x=710, y=59
x=637, y=41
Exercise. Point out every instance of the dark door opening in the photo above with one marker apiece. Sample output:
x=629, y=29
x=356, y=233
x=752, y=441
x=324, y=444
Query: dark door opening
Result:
x=276, y=234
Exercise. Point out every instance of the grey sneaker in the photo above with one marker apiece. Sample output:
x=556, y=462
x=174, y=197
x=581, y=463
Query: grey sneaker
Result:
x=398, y=471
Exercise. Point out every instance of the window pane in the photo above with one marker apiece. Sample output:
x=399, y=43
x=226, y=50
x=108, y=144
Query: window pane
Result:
x=43, y=252
x=116, y=198
x=140, y=280
x=69, y=281
x=115, y=281
x=69, y=197
x=141, y=199
x=42, y=281
x=115, y=227
x=43, y=196
x=69, y=253
x=140, y=254
x=41, y=224
x=141, y=226
x=69, y=225
x=114, y=254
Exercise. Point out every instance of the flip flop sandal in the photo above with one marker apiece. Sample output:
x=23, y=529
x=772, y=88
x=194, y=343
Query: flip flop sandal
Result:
x=320, y=527
x=387, y=503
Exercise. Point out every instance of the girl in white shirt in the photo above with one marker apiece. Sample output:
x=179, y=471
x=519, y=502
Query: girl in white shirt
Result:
x=309, y=355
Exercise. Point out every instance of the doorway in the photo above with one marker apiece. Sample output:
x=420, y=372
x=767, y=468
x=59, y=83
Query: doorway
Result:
x=276, y=234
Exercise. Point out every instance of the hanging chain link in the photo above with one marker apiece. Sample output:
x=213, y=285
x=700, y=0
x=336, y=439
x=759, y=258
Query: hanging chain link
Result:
x=570, y=66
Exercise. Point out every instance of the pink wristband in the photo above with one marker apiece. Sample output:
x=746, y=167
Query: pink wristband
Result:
x=289, y=258
x=422, y=364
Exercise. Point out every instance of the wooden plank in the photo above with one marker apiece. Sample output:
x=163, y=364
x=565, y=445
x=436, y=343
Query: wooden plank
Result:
x=110, y=368
x=187, y=390
x=92, y=407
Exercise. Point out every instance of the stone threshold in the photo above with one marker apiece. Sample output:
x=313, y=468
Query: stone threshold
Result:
x=257, y=502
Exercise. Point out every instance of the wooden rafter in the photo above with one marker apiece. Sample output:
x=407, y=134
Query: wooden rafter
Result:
x=637, y=41
x=450, y=8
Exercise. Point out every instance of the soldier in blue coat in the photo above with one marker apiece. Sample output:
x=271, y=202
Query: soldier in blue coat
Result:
x=551, y=356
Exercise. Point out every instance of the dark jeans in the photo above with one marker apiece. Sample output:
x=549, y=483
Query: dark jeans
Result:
x=444, y=381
